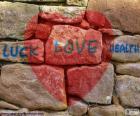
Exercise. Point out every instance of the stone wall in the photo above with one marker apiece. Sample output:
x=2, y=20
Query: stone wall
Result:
x=50, y=68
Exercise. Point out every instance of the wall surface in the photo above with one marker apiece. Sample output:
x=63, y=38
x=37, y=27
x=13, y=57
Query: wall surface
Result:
x=70, y=57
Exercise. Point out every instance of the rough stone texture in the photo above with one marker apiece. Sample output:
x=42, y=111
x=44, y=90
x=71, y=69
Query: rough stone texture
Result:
x=115, y=100
x=33, y=87
x=63, y=113
x=112, y=110
x=128, y=90
x=40, y=0
x=92, y=84
x=14, y=18
x=59, y=51
x=129, y=56
x=43, y=31
x=123, y=14
x=77, y=107
x=39, y=88
x=22, y=110
x=77, y=2
x=38, y=113
x=69, y=15
x=132, y=112
x=30, y=51
x=132, y=69
x=6, y=105
x=111, y=32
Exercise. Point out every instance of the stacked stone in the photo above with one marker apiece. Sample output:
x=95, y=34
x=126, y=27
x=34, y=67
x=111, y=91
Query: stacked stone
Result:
x=35, y=79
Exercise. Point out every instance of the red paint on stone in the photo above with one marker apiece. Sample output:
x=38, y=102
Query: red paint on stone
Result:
x=64, y=33
x=84, y=24
x=81, y=80
x=106, y=54
x=30, y=29
x=72, y=101
x=43, y=31
x=97, y=19
x=36, y=52
x=52, y=78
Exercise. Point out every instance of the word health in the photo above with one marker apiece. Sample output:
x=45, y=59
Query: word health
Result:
x=125, y=48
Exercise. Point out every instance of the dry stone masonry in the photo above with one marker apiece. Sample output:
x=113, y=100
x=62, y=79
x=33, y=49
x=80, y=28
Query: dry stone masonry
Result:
x=70, y=57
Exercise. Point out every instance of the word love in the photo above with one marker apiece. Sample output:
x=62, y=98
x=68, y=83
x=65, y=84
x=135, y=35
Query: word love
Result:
x=69, y=46
x=19, y=51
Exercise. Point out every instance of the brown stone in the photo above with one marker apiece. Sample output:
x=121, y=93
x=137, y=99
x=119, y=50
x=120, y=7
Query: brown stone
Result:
x=33, y=87
x=6, y=105
x=14, y=18
x=123, y=14
x=132, y=69
x=112, y=110
x=128, y=90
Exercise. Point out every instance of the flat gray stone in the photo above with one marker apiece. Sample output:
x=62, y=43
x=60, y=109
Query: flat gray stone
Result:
x=14, y=18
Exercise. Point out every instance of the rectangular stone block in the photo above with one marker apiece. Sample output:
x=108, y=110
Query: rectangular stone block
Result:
x=30, y=51
x=93, y=84
x=64, y=14
x=33, y=87
x=126, y=48
x=128, y=90
x=16, y=18
x=77, y=2
x=70, y=45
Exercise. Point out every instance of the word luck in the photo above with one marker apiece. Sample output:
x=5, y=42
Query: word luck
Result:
x=18, y=51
